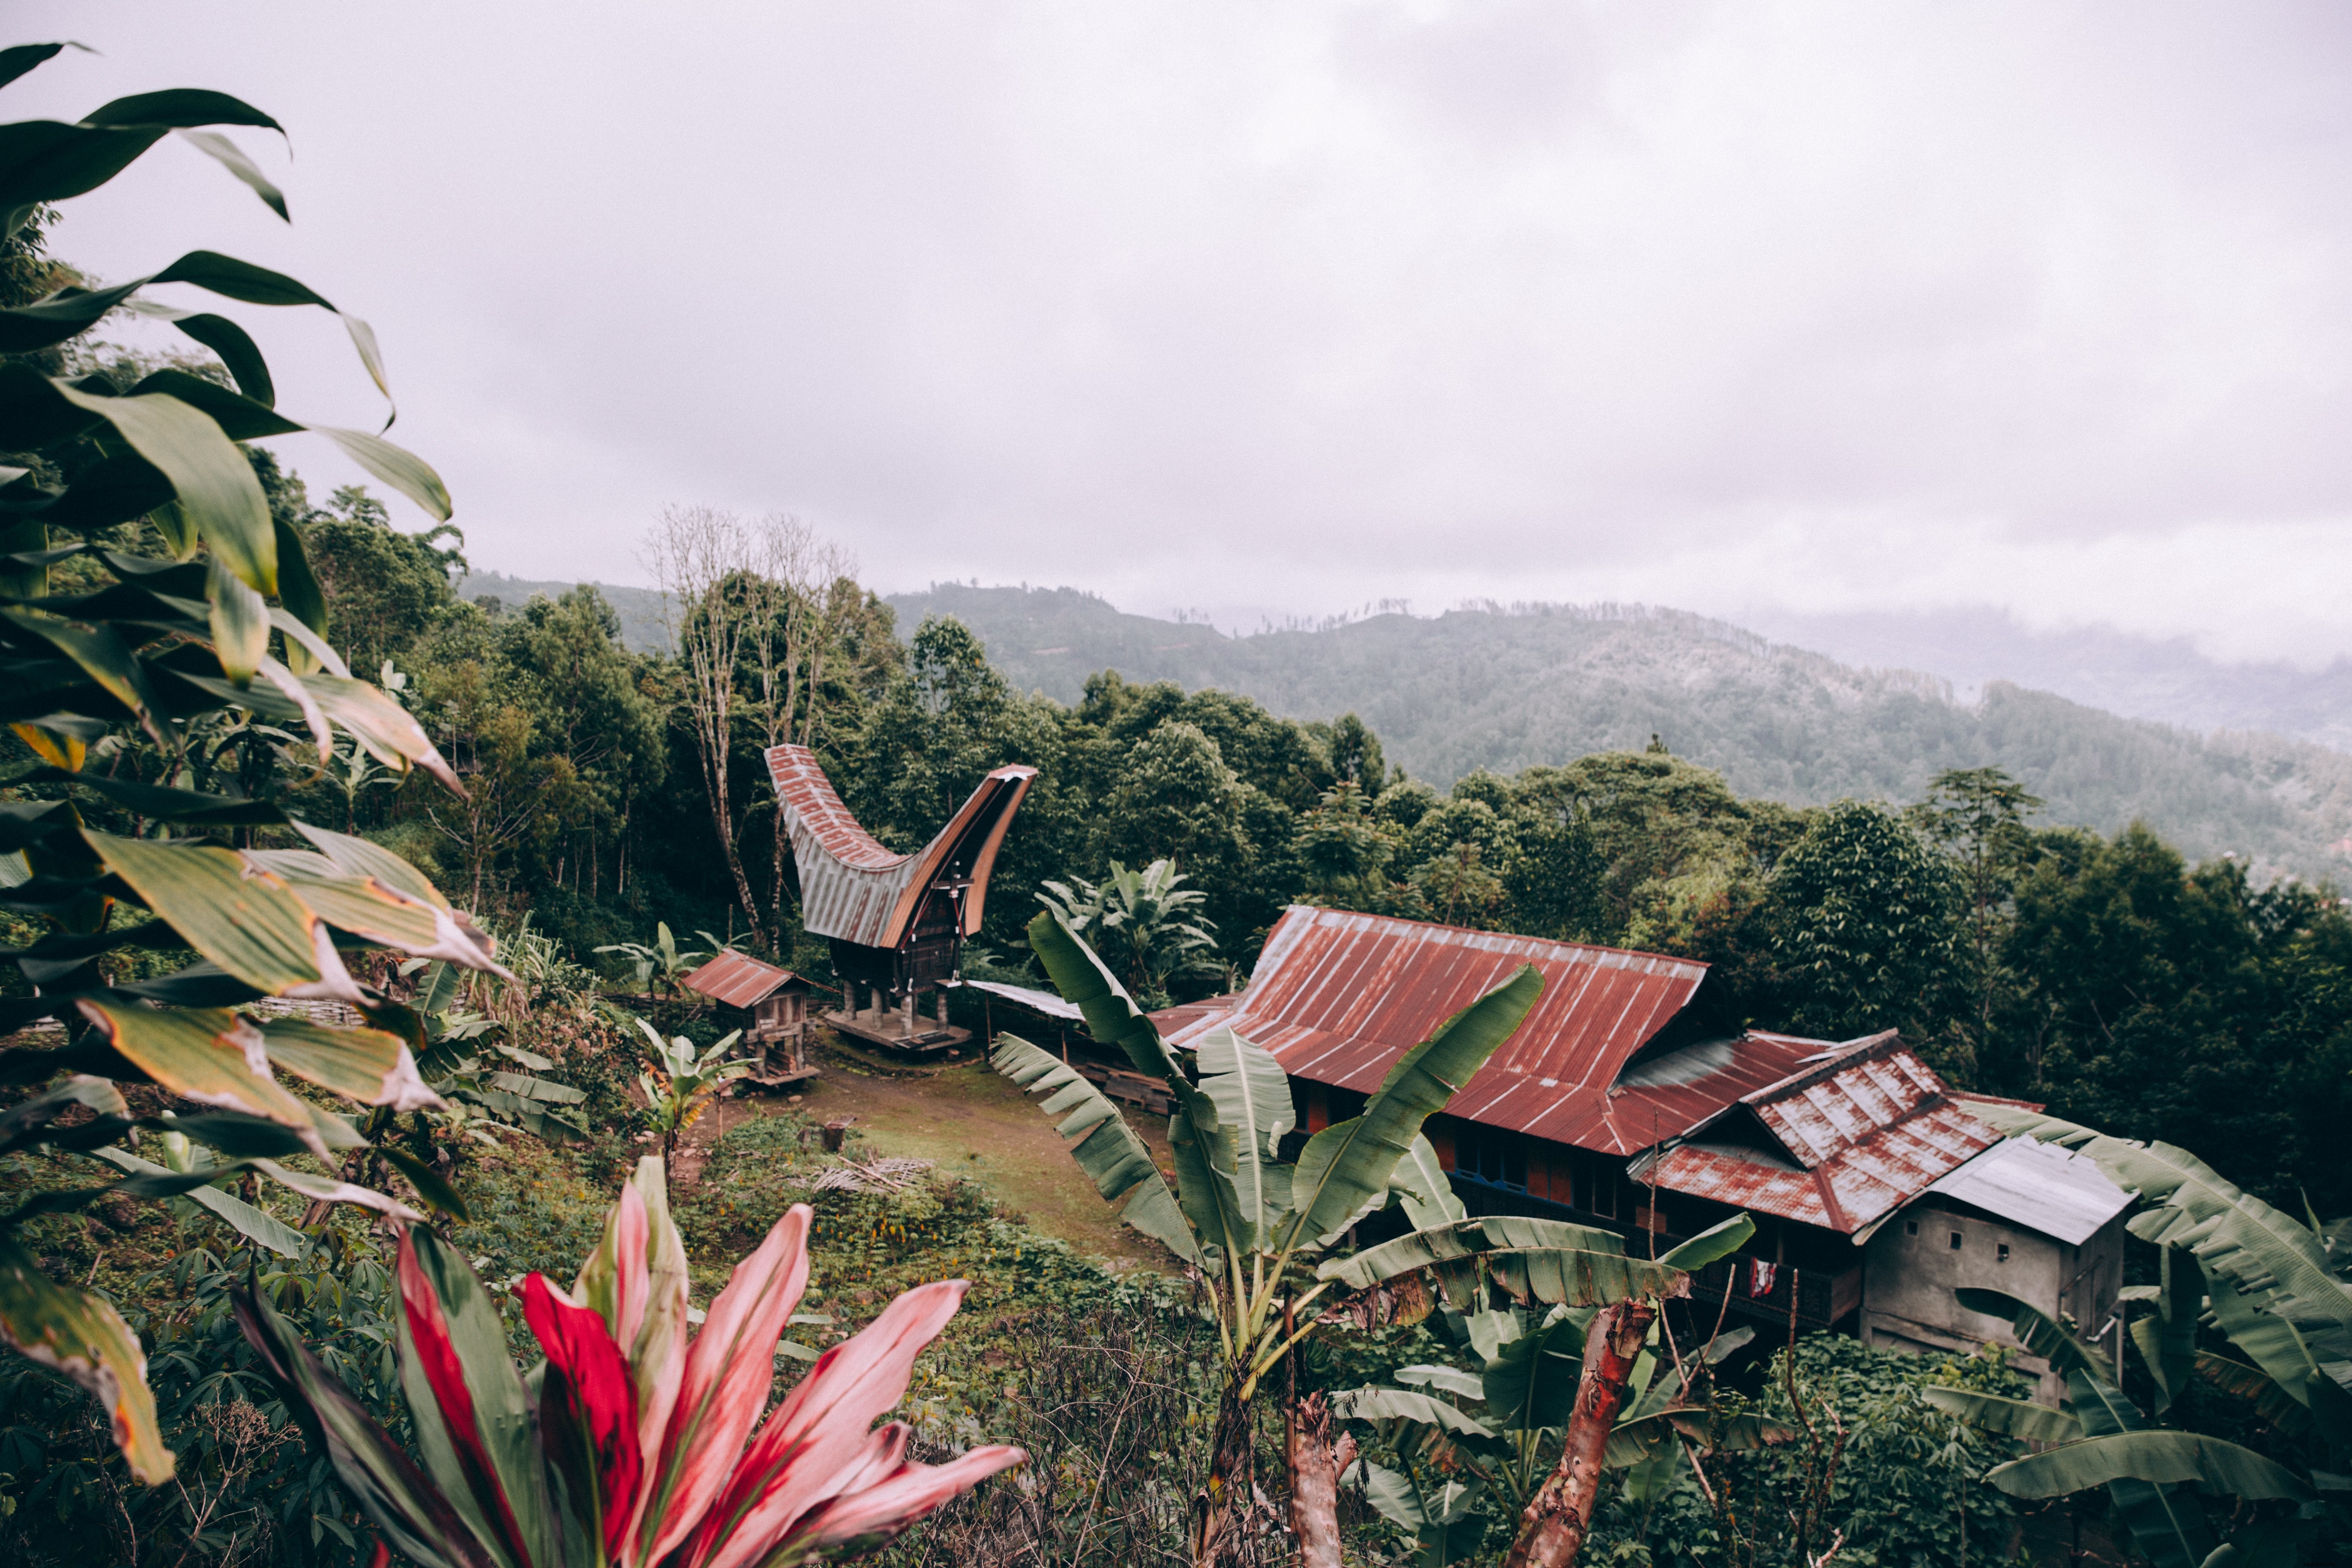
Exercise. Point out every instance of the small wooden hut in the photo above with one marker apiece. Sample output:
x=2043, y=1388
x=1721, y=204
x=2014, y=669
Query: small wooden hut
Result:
x=770, y=1006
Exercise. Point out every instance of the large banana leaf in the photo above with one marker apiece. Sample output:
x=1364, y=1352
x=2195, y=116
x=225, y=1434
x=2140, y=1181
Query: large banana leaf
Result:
x=1452, y=1379
x=2041, y=1334
x=1462, y=1239
x=1343, y=1172
x=1531, y=1383
x=2268, y=1339
x=2018, y=1418
x=1716, y=1241
x=1111, y=1015
x=1423, y=1189
x=1444, y=1518
x=2266, y=1251
x=1107, y=1149
x=2167, y=1337
x=2271, y=1402
x=77, y=1334
x=2167, y=1526
x=1404, y=1404
x=1252, y=1096
x=2158, y=1458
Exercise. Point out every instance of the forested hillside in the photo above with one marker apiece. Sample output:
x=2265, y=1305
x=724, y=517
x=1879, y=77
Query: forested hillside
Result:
x=1544, y=685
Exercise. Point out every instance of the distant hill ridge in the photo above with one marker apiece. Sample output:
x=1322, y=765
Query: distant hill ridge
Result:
x=1507, y=687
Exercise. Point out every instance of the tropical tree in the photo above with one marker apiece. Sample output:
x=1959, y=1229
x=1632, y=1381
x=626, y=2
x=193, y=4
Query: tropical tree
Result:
x=1867, y=920
x=1524, y=1390
x=687, y=1080
x=635, y=1444
x=1496, y=1267
x=662, y=959
x=2275, y=1286
x=1142, y=917
x=1246, y=1218
x=138, y=557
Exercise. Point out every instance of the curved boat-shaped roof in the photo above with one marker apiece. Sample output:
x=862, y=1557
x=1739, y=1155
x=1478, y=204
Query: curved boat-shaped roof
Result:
x=855, y=890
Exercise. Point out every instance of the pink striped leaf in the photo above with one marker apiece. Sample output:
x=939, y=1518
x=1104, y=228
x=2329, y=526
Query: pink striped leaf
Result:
x=587, y=1411
x=862, y=1519
x=472, y=1415
x=728, y=1373
x=810, y=1447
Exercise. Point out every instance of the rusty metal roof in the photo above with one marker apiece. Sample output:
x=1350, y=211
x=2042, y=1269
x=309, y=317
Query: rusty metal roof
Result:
x=854, y=888
x=1338, y=996
x=739, y=979
x=1838, y=1143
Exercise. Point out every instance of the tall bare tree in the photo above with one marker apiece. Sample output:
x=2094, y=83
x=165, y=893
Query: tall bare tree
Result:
x=705, y=560
x=805, y=588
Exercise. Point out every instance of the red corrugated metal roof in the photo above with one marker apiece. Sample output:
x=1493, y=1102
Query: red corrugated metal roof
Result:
x=739, y=979
x=854, y=888
x=1863, y=1134
x=1338, y=996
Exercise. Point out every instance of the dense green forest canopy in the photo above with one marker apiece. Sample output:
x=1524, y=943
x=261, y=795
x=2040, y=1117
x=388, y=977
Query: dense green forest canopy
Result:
x=1505, y=688
x=2107, y=974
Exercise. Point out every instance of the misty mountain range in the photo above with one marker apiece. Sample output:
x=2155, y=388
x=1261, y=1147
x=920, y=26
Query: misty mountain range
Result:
x=2105, y=727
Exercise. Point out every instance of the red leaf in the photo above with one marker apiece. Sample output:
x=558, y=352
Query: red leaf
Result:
x=587, y=1406
x=873, y=1513
x=436, y=1355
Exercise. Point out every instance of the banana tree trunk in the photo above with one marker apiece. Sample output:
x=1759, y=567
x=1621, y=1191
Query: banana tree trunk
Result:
x=1217, y=1513
x=1552, y=1529
x=1315, y=1461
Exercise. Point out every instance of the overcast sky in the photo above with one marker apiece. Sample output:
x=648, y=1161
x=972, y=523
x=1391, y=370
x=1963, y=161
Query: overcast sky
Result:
x=1294, y=307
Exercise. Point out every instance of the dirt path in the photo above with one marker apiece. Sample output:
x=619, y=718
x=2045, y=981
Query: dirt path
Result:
x=974, y=1124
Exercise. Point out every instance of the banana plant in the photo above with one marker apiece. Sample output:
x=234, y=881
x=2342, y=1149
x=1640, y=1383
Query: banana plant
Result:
x=1525, y=1390
x=1605, y=1311
x=664, y=960
x=686, y=1081
x=633, y=1444
x=156, y=620
x=461, y=1064
x=2267, y=1282
x=1241, y=1215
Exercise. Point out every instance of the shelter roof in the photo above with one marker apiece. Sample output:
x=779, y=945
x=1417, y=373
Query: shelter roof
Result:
x=1338, y=996
x=2041, y=1187
x=1043, y=1002
x=739, y=979
x=854, y=888
x=1843, y=1141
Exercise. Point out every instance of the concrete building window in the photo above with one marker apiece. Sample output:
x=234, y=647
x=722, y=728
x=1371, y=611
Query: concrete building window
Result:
x=1956, y=1241
x=1910, y=1227
x=2004, y=1253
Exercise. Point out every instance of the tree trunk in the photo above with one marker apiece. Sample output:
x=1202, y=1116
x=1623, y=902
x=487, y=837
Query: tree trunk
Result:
x=1227, y=1497
x=1552, y=1529
x=1316, y=1462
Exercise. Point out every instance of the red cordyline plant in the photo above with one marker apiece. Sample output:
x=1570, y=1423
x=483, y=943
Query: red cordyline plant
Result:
x=638, y=1449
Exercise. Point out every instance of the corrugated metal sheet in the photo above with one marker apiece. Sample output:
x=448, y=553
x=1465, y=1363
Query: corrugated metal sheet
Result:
x=854, y=888
x=2041, y=1187
x=1862, y=1133
x=1045, y=1001
x=1338, y=996
x=739, y=979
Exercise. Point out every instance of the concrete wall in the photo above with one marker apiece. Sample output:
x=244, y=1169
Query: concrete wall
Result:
x=1912, y=1267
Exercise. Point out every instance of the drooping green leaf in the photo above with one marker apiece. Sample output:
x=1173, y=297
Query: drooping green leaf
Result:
x=1107, y=1149
x=1343, y=1172
x=258, y=1225
x=237, y=351
x=232, y=157
x=1462, y=1239
x=2167, y=1337
x=2270, y=1341
x=240, y=624
x=18, y=58
x=2160, y=1458
x=1111, y=1015
x=249, y=922
x=427, y=1181
x=211, y=1057
x=2169, y=1526
x=218, y=491
x=2271, y=1402
x=2017, y=1419
x=1557, y=1277
x=403, y=471
x=1452, y=1379
x=370, y=1066
x=76, y=1333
